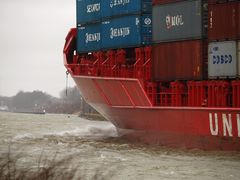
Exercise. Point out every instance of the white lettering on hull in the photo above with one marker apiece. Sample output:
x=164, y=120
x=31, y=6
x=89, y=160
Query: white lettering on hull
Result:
x=226, y=122
x=227, y=125
x=214, y=132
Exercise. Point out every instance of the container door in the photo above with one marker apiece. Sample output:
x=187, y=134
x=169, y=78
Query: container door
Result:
x=222, y=59
x=88, y=11
x=126, y=31
x=89, y=38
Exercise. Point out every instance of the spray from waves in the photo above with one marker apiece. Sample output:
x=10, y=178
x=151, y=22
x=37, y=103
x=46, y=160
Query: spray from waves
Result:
x=90, y=131
x=86, y=131
x=19, y=137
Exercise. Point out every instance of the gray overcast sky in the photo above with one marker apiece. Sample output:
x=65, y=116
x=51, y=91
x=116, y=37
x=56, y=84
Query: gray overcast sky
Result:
x=32, y=35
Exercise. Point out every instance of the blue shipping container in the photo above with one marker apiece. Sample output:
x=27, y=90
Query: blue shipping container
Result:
x=91, y=11
x=127, y=31
x=88, y=11
x=111, y=8
x=89, y=38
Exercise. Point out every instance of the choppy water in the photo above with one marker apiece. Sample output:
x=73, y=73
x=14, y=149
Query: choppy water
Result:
x=93, y=150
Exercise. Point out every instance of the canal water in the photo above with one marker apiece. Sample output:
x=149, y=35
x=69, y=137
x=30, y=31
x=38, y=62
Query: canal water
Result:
x=68, y=147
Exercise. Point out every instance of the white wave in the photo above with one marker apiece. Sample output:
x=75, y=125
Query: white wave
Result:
x=90, y=130
x=102, y=156
x=22, y=136
x=93, y=131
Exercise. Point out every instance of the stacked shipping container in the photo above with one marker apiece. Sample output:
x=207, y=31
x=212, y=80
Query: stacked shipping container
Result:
x=179, y=34
x=179, y=21
x=107, y=24
x=127, y=31
x=224, y=35
x=180, y=60
x=90, y=11
x=179, y=30
x=192, y=40
x=223, y=59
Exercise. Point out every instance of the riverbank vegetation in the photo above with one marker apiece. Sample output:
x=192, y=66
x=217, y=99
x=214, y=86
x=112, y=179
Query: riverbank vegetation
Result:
x=69, y=102
x=46, y=169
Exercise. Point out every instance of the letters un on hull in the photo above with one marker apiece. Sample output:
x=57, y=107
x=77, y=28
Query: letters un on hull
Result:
x=227, y=125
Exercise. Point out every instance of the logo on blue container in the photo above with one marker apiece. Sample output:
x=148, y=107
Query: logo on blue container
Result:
x=119, y=32
x=95, y=37
x=118, y=3
x=91, y=8
x=147, y=21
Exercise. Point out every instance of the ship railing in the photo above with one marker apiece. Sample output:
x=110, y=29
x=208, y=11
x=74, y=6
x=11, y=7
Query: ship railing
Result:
x=105, y=67
x=138, y=69
x=80, y=69
x=108, y=69
x=212, y=93
x=168, y=99
x=127, y=71
x=164, y=99
x=142, y=66
x=142, y=70
x=219, y=93
x=114, y=71
x=236, y=93
x=138, y=65
x=167, y=94
x=147, y=69
x=148, y=62
x=111, y=64
x=171, y=99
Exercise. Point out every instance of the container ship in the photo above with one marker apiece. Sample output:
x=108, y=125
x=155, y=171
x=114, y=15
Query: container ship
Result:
x=162, y=71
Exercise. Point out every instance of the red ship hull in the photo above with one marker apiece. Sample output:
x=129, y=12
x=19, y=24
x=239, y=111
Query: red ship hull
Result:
x=189, y=114
x=132, y=112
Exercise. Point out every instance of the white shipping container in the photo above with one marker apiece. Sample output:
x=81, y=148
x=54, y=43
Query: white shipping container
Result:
x=222, y=59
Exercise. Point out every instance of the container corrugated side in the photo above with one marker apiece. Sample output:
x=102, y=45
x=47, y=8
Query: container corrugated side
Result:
x=180, y=21
x=238, y=37
x=224, y=21
x=113, y=8
x=183, y=60
x=222, y=59
x=155, y=2
x=216, y=1
x=127, y=31
x=238, y=54
x=89, y=38
x=88, y=11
